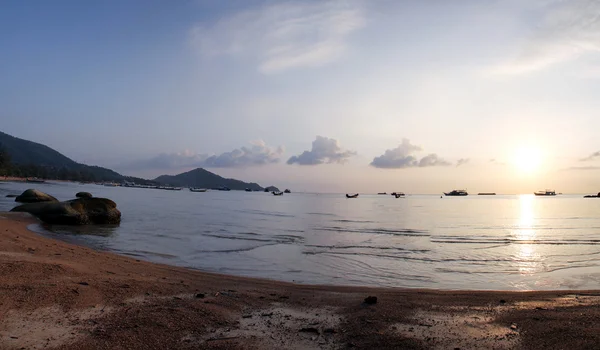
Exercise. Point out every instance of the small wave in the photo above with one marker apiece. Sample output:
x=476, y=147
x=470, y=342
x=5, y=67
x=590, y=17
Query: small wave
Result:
x=354, y=221
x=144, y=253
x=367, y=247
x=398, y=232
x=236, y=250
x=265, y=213
x=288, y=239
x=321, y=214
x=483, y=240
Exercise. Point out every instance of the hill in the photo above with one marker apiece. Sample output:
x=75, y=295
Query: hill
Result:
x=32, y=159
x=205, y=179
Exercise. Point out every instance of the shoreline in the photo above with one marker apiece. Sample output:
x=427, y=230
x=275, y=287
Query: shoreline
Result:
x=59, y=295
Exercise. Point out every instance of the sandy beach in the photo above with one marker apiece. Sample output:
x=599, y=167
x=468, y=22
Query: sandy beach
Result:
x=62, y=296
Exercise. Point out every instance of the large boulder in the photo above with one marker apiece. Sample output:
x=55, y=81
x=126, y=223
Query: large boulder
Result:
x=34, y=196
x=81, y=211
x=83, y=195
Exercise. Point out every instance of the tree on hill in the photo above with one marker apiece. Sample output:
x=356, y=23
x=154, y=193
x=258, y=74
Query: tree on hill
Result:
x=4, y=161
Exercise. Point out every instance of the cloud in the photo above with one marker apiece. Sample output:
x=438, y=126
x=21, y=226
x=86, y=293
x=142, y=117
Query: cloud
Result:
x=258, y=154
x=402, y=157
x=324, y=150
x=495, y=161
x=433, y=160
x=583, y=168
x=590, y=157
x=462, y=161
x=567, y=31
x=282, y=36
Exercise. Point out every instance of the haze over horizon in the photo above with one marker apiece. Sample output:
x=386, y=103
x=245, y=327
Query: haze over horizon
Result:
x=320, y=96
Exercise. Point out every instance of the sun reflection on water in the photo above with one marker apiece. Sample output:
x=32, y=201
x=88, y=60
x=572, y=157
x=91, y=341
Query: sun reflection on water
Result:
x=527, y=258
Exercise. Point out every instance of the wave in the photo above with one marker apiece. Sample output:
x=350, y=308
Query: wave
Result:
x=483, y=240
x=265, y=213
x=354, y=221
x=397, y=232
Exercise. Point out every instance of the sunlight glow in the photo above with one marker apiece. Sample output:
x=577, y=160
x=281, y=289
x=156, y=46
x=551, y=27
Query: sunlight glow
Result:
x=527, y=159
x=527, y=258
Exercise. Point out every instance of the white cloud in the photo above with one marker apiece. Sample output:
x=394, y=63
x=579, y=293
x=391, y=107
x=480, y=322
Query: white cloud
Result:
x=402, y=157
x=284, y=35
x=258, y=154
x=567, y=30
x=324, y=150
x=433, y=160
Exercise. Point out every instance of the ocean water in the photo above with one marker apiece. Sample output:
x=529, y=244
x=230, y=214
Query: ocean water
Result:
x=504, y=242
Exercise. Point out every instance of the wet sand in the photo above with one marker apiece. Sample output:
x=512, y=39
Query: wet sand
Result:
x=57, y=295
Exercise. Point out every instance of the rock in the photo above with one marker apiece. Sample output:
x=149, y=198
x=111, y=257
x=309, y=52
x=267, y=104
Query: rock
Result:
x=199, y=295
x=34, y=196
x=81, y=211
x=370, y=300
x=83, y=195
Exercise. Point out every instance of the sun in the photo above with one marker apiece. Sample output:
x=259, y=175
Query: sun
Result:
x=527, y=159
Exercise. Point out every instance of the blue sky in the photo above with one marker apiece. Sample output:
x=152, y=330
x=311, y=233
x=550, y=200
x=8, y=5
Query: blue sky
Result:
x=419, y=96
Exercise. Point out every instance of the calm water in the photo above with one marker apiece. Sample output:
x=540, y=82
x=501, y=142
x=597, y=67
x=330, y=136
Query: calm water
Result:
x=498, y=242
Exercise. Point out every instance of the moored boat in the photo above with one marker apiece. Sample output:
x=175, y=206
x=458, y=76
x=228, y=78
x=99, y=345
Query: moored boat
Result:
x=592, y=195
x=248, y=190
x=278, y=193
x=169, y=188
x=458, y=193
x=35, y=180
x=545, y=193
x=351, y=195
x=486, y=193
x=398, y=194
x=196, y=189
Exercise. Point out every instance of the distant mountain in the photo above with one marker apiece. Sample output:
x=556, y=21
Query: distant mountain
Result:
x=34, y=159
x=205, y=179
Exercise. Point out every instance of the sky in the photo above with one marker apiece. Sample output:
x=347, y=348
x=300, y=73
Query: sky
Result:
x=320, y=96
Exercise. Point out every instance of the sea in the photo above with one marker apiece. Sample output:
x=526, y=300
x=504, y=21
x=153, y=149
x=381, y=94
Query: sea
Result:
x=502, y=242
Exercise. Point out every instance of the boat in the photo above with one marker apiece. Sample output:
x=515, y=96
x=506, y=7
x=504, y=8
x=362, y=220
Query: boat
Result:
x=278, y=193
x=248, y=190
x=224, y=188
x=457, y=193
x=351, y=195
x=383, y=193
x=545, y=193
x=486, y=193
x=398, y=194
x=287, y=191
x=592, y=195
x=196, y=189
x=111, y=184
x=35, y=180
x=169, y=188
